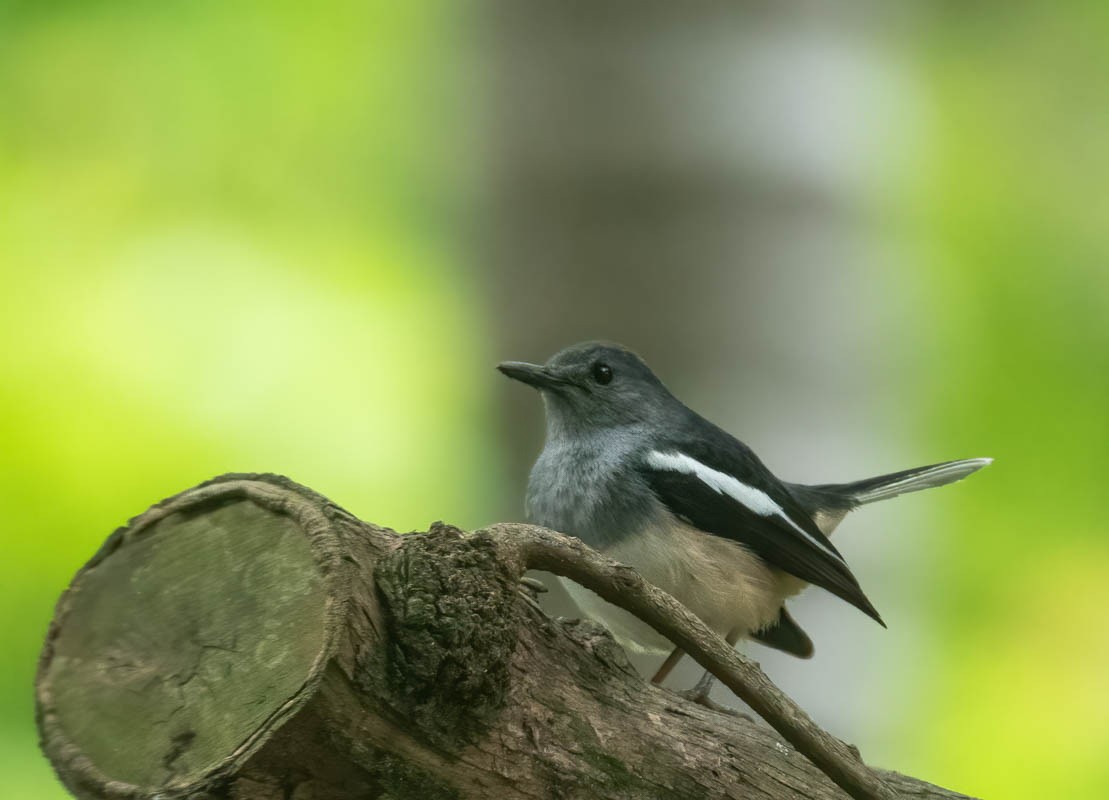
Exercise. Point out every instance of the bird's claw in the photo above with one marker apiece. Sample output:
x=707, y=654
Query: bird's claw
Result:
x=701, y=697
x=529, y=590
x=536, y=587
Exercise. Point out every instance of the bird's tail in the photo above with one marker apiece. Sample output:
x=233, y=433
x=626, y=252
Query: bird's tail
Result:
x=884, y=487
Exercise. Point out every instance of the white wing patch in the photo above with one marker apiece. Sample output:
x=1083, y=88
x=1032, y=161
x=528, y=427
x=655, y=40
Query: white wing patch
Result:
x=754, y=499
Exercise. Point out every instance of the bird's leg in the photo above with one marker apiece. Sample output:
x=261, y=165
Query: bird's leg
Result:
x=700, y=693
x=668, y=665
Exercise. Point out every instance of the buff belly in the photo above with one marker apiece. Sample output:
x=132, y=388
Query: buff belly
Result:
x=720, y=581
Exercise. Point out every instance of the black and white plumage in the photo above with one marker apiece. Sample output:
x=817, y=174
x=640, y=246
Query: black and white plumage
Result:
x=633, y=472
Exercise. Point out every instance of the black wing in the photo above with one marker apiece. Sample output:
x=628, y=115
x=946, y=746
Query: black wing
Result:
x=773, y=525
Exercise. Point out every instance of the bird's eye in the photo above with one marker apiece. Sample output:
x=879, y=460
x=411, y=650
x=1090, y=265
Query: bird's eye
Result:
x=602, y=373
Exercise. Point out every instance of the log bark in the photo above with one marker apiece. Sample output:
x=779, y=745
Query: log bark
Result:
x=248, y=639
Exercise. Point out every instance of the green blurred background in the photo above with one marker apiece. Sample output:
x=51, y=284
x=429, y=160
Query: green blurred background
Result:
x=295, y=237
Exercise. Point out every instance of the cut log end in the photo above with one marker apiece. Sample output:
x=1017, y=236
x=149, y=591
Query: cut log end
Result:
x=190, y=637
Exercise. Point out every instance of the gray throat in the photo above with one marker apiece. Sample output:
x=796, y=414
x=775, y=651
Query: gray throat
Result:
x=585, y=484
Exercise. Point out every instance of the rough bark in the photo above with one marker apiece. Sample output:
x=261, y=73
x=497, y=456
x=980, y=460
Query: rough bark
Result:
x=249, y=640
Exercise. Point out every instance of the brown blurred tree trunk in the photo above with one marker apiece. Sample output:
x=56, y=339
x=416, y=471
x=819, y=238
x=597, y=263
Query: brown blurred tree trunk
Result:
x=659, y=176
x=249, y=640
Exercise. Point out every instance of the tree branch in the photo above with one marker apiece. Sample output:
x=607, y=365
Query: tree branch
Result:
x=249, y=640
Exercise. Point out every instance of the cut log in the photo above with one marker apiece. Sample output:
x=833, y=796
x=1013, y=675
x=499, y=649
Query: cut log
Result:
x=248, y=639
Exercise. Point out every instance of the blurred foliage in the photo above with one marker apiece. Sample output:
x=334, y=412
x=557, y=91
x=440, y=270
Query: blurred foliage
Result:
x=225, y=247
x=228, y=241
x=1013, y=204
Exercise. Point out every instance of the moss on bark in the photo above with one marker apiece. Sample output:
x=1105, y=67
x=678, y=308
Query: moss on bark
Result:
x=451, y=632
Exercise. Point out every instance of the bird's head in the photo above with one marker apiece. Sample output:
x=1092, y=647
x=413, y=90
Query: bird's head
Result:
x=592, y=386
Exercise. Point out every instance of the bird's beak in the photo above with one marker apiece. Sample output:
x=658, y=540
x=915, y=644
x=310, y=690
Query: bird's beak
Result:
x=531, y=374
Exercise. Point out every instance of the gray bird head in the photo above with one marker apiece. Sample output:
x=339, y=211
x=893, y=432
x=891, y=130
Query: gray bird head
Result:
x=592, y=386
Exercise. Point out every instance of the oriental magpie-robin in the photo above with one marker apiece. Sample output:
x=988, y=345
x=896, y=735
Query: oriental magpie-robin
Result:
x=634, y=473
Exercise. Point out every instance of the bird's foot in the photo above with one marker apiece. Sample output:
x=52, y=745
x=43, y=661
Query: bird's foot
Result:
x=701, y=690
x=700, y=698
x=699, y=694
x=530, y=589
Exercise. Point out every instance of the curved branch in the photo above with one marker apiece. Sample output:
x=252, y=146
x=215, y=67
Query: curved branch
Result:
x=531, y=547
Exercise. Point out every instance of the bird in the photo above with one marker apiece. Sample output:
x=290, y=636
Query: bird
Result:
x=631, y=471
